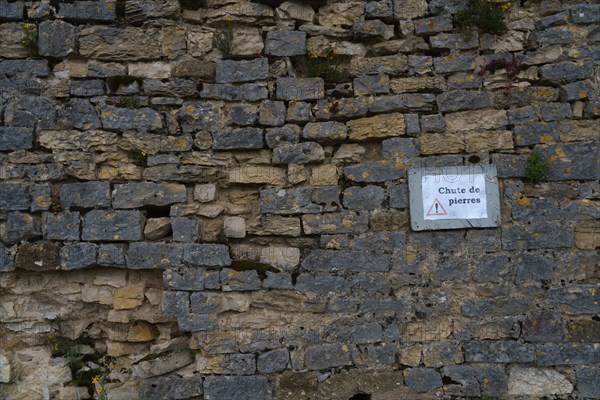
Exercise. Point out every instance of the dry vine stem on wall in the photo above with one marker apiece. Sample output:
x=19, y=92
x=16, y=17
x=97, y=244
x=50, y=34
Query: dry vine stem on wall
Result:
x=208, y=200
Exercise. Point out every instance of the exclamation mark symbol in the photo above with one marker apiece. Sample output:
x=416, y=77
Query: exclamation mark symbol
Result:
x=436, y=208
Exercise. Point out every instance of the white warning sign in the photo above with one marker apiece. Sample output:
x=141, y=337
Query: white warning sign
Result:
x=454, y=196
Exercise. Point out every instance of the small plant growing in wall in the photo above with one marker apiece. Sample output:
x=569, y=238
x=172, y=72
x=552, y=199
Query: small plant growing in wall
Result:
x=510, y=65
x=129, y=102
x=223, y=39
x=139, y=157
x=482, y=15
x=538, y=167
x=327, y=66
x=29, y=40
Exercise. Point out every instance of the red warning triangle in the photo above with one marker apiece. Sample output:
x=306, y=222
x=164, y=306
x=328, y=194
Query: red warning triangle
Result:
x=437, y=208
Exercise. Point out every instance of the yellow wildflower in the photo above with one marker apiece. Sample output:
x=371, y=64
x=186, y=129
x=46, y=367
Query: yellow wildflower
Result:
x=26, y=26
x=100, y=389
x=144, y=154
x=96, y=379
x=55, y=346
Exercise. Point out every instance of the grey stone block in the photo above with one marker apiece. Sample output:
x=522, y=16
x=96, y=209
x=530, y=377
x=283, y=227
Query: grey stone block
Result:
x=534, y=267
x=6, y=262
x=554, y=111
x=272, y=113
x=22, y=226
x=287, y=134
x=299, y=111
x=363, y=198
x=398, y=196
x=406, y=102
x=399, y=147
x=301, y=200
x=454, y=63
x=85, y=195
x=111, y=255
x=422, y=380
x=79, y=114
x=111, y=226
x=327, y=356
x=376, y=171
x=576, y=91
x=141, y=194
x=197, y=323
x=232, y=280
x=185, y=278
x=30, y=111
x=553, y=36
x=433, y=25
x=238, y=364
x=371, y=29
x=238, y=139
x=78, y=255
x=585, y=14
x=433, y=123
x=322, y=284
x=587, y=381
x=355, y=261
x=237, y=387
x=537, y=235
x=98, y=11
x=171, y=88
x=574, y=161
x=300, y=153
x=200, y=115
x=247, y=91
x=14, y=196
x=172, y=387
x=184, y=229
x=123, y=119
x=500, y=351
x=273, y=361
x=300, y=88
x=229, y=71
x=412, y=124
x=15, y=138
x=576, y=299
x=282, y=43
x=464, y=381
x=22, y=76
x=379, y=9
x=548, y=354
x=279, y=280
x=492, y=268
x=205, y=302
x=454, y=41
x=61, y=226
x=10, y=11
x=457, y=100
x=175, y=303
x=317, y=224
x=56, y=39
x=463, y=80
x=143, y=255
x=371, y=85
x=243, y=114
x=87, y=88
x=206, y=255
x=536, y=132
x=567, y=71
x=543, y=326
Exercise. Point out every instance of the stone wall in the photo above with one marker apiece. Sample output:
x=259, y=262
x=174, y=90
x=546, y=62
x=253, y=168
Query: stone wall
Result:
x=188, y=210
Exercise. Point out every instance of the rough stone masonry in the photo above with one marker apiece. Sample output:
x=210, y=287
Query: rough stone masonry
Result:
x=208, y=200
